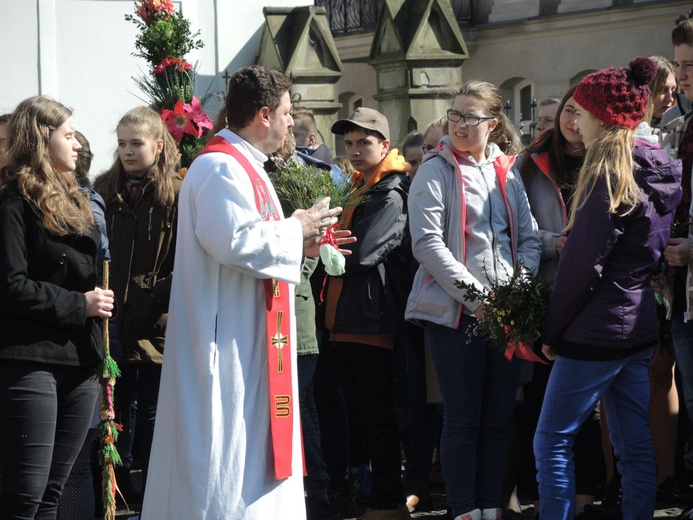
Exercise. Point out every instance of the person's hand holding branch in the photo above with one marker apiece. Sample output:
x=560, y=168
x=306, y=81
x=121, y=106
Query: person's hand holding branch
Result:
x=99, y=303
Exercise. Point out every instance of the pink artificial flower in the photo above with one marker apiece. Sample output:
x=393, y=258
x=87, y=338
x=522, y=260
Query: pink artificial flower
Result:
x=179, y=121
x=199, y=116
x=142, y=11
x=164, y=5
x=152, y=11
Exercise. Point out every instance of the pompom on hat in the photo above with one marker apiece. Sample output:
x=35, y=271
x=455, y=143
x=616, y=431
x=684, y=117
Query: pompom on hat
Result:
x=618, y=96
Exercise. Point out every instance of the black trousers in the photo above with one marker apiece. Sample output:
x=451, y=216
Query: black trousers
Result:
x=366, y=375
x=317, y=480
x=136, y=398
x=45, y=413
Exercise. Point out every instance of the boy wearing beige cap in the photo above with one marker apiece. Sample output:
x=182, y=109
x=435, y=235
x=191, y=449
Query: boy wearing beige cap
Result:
x=365, y=306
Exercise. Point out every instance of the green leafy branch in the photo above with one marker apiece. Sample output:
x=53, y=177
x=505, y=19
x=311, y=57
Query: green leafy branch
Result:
x=165, y=38
x=300, y=187
x=513, y=309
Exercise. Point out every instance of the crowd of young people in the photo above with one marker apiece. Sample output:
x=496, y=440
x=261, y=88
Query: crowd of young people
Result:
x=599, y=204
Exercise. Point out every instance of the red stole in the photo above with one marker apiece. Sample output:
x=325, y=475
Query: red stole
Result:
x=279, y=342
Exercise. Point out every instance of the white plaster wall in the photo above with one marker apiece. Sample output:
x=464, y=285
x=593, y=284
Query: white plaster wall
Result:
x=19, y=44
x=80, y=52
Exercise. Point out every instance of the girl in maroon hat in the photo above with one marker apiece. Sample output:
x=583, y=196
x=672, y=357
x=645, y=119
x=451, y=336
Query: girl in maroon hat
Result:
x=602, y=323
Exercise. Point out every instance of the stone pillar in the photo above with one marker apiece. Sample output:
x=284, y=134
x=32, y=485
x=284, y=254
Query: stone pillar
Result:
x=417, y=52
x=505, y=10
x=297, y=42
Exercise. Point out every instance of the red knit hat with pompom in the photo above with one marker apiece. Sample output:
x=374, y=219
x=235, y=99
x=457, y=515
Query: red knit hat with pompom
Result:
x=618, y=96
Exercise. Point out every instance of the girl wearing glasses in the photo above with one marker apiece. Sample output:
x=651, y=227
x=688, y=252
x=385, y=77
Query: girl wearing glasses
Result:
x=470, y=221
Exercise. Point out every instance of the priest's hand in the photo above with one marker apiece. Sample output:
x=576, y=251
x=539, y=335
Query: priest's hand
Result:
x=311, y=247
x=313, y=222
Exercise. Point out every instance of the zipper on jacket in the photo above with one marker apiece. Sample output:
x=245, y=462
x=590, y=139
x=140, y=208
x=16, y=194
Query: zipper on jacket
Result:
x=149, y=226
x=490, y=221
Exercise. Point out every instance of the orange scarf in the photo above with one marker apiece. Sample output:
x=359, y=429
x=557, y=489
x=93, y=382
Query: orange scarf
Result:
x=392, y=163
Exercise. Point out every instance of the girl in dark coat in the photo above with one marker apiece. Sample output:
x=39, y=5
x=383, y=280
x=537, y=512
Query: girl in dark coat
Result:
x=602, y=323
x=50, y=342
x=141, y=195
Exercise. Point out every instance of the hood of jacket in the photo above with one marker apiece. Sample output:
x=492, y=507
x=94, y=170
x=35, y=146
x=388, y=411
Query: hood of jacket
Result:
x=447, y=152
x=393, y=162
x=658, y=176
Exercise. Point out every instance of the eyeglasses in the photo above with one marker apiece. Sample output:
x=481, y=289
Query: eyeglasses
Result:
x=427, y=148
x=467, y=119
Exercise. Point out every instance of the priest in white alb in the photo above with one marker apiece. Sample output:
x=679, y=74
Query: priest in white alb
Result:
x=227, y=438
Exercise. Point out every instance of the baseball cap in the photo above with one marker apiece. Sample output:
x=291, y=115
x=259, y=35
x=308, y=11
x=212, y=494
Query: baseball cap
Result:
x=365, y=118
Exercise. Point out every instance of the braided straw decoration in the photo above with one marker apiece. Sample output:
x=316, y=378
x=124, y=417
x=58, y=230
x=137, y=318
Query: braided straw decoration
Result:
x=107, y=431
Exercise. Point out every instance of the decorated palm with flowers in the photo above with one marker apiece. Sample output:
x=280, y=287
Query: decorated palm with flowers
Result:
x=164, y=40
x=513, y=311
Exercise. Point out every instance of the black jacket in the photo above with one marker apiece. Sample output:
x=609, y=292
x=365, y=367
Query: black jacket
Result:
x=43, y=279
x=378, y=275
x=142, y=244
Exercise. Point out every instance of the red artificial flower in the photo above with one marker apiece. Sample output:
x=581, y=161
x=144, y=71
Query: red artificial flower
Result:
x=180, y=64
x=199, y=116
x=178, y=121
x=142, y=11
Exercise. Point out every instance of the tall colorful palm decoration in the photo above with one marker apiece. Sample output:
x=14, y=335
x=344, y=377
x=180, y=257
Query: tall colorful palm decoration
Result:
x=164, y=40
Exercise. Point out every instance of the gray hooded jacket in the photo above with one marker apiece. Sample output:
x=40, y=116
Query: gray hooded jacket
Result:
x=469, y=222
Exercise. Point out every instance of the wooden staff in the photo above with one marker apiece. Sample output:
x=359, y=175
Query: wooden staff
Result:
x=107, y=432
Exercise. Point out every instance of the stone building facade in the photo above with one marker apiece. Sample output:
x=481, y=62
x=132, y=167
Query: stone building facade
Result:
x=532, y=49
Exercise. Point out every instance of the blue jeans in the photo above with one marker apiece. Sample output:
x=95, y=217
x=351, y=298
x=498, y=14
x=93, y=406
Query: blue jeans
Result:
x=683, y=345
x=478, y=386
x=573, y=390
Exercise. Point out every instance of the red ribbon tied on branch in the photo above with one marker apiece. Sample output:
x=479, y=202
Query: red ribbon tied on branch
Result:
x=328, y=238
x=519, y=349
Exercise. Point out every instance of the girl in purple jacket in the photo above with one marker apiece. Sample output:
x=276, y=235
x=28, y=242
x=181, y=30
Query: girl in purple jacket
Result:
x=602, y=321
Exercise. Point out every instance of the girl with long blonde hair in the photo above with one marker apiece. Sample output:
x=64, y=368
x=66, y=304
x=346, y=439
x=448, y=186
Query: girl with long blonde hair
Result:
x=602, y=323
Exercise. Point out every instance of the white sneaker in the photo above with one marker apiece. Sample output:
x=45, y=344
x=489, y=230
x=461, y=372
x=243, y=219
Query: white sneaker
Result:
x=492, y=514
x=472, y=515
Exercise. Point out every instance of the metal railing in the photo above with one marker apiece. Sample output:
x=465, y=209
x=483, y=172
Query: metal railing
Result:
x=351, y=16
